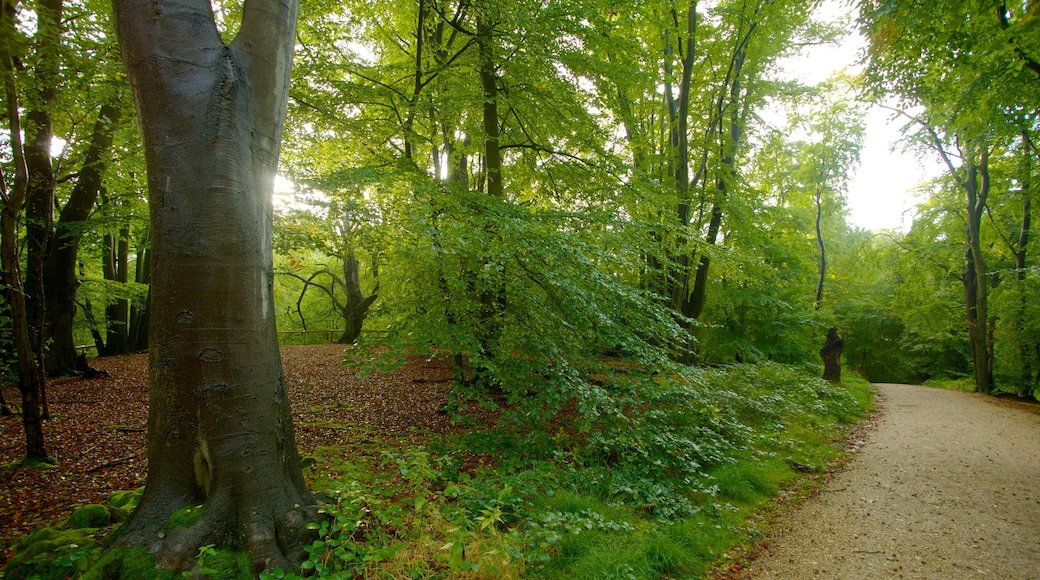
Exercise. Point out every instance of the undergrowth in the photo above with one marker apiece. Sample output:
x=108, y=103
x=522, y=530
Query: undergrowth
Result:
x=650, y=475
x=656, y=477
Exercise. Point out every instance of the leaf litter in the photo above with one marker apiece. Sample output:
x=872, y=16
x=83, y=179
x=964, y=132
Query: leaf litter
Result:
x=97, y=428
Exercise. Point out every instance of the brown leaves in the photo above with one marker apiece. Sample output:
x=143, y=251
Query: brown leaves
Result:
x=97, y=431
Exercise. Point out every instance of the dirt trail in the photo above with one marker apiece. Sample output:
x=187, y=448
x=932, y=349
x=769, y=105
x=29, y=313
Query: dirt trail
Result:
x=947, y=486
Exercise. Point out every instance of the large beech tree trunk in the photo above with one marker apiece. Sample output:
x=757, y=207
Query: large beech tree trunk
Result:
x=219, y=426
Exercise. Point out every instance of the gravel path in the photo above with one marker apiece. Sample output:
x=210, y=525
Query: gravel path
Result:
x=946, y=487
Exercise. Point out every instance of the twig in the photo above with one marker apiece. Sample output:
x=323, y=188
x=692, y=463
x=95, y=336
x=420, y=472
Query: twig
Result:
x=112, y=463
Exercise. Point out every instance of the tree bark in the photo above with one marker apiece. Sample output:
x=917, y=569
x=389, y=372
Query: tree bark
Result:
x=116, y=264
x=823, y=249
x=137, y=336
x=976, y=185
x=973, y=178
x=493, y=293
x=357, y=304
x=30, y=374
x=39, y=135
x=59, y=268
x=219, y=426
x=1026, y=371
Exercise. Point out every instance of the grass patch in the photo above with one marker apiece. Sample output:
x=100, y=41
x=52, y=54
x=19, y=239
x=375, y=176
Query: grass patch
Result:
x=964, y=384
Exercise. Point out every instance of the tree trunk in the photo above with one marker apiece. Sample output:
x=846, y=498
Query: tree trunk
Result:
x=729, y=145
x=678, y=109
x=973, y=178
x=30, y=374
x=831, y=355
x=115, y=269
x=823, y=249
x=1026, y=372
x=137, y=336
x=59, y=268
x=976, y=185
x=355, y=310
x=219, y=426
x=493, y=293
x=39, y=135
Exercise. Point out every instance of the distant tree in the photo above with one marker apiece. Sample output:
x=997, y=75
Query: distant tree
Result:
x=338, y=235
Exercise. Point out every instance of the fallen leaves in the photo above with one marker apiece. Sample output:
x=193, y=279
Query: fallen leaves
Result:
x=97, y=430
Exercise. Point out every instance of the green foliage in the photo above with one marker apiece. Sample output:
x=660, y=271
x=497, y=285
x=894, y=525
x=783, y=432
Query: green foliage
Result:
x=644, y=490
x=565, y=300
x=657, y=480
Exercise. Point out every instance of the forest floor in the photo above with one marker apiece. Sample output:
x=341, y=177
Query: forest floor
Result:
x=946, y=486
x=97, y=427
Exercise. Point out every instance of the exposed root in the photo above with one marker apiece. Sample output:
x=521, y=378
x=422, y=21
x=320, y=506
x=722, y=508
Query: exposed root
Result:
x=273, y=537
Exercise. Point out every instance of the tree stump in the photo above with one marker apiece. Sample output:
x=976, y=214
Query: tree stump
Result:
x=831, y=355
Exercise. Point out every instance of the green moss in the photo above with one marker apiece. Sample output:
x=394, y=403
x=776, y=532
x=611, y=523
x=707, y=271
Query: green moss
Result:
x=90, y=516
x=184, y=518
x=126, y=500
x=38, y=463
x=225, y=564
x=52, y=553
x=122, y=563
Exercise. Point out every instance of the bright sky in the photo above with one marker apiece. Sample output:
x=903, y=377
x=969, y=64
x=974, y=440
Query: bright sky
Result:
x=879, y=194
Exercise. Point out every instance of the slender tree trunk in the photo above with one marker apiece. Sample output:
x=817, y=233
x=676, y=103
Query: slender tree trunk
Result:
x=39, y=135
x=973, y=179
x=977, y=188
x=823, y=249
x=493, y=292
x=59, y=269
x=115, y=269
x=730, y=144
x=678, y=109
x=30, y=374
x=137, y=336
x=219, y=426
x=1026, y=371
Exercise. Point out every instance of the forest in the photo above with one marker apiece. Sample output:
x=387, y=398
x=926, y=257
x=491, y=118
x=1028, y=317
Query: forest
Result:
x=619, y=223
